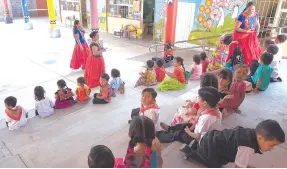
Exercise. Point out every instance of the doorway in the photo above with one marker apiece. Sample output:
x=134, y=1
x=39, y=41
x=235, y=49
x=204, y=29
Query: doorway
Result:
x=148, y=19
x=83, y=14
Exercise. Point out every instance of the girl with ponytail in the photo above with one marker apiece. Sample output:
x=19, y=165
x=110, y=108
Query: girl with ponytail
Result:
x=144, y=150
x=176, y=80
x=81, y=49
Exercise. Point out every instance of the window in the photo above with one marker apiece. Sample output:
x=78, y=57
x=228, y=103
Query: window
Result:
x=125, y=9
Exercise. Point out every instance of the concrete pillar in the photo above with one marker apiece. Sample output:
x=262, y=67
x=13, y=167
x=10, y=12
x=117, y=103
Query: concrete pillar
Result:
x=94, y=14
x=170, y=24
x=7, y=18
x=26, y=16
x=54, y=33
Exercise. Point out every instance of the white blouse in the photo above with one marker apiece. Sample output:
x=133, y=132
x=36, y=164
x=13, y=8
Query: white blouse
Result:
x=45, y=107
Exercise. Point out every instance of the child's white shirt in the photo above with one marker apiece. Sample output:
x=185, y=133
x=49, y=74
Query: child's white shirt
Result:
x=14, y=124
x=153, y=114
x=279, y=55
x=45, y=107
x=207, y=123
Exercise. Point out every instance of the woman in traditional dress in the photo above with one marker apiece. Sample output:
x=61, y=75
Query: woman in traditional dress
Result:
x=81, y=49
x=246, y=30
x=95, y=63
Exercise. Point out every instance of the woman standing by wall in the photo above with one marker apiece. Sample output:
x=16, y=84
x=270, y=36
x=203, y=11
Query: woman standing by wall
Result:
x=95, y=63
x=81, y=49
x=245, y=33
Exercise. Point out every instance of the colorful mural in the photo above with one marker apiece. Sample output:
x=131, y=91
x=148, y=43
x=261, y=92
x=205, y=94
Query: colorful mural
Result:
x=215, y=17
x=212, y=17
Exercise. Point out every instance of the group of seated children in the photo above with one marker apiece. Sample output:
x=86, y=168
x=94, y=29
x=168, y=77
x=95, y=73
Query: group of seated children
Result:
x=173, y=81
x=211, y=147
x=16, y=116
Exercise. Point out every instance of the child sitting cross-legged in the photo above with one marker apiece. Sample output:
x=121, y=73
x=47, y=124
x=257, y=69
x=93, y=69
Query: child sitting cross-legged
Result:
x=160, y=73
x=208, y=119
x=104, y=96
x=15, y=116
x=261, y=78
x=116, y=83
x=144, y=150
x=64, y=96
x=83, y=91
x=236, y=94
x=44, y=105
x=175, y=80
x=196, y=70
x=101, y=156
x=217, y=148
x=148, y=77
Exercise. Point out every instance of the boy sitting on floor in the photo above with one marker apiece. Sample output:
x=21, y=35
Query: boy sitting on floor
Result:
x=217, y=148
x=15, y=116
x=208, y=119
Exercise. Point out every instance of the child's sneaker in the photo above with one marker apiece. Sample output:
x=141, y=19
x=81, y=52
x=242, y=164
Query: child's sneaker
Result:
x=279, y=79
x=26, y=114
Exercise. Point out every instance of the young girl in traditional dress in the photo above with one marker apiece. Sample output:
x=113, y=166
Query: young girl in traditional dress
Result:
x=64, y=96
x=225, y=77
x=83, y=91
x=175, y=80
x=236, y=58
x=117, y=84
x=104, y=96
x=204, y=61
x=188, y=112
x=196, y=69
x=144, y=149
x=15, y=116
x=81, y=49
x=44, y=105
x=236, y=94
x=148, y=77
x=160, y=73
x=218, y=58
x=95, y=63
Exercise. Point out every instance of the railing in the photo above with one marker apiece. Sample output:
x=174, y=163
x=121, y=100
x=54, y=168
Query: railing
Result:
x=203, y=42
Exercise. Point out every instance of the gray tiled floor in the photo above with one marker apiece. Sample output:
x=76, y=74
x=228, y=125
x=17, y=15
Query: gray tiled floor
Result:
x=64, y=139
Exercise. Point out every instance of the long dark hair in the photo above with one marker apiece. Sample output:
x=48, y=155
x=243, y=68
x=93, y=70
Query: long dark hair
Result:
x=180, y=61
x=76, y=22
x=251, y=3
x=39, y=93
x=62, y=84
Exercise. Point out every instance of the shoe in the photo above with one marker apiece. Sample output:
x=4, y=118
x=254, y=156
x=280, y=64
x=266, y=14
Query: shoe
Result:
x=273, y=80
x=182, y=147
x=26, y=115
x=129, y=121
x=279, y=79
x=164, y=126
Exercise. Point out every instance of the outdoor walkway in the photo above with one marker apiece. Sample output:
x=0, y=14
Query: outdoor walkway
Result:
x=30, y=58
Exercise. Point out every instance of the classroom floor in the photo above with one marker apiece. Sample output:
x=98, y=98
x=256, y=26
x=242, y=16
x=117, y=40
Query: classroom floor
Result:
x=30, y=58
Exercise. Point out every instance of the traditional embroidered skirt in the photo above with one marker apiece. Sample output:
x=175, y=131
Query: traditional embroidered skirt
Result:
x=80, y=56
x=64, y=104
x=95, y=67
x=170, y=84
x=249, y=44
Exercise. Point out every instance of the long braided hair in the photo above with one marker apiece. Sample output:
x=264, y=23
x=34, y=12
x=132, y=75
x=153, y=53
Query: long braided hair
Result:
x=76, y=22
x=142, y=130
x=180, y=61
